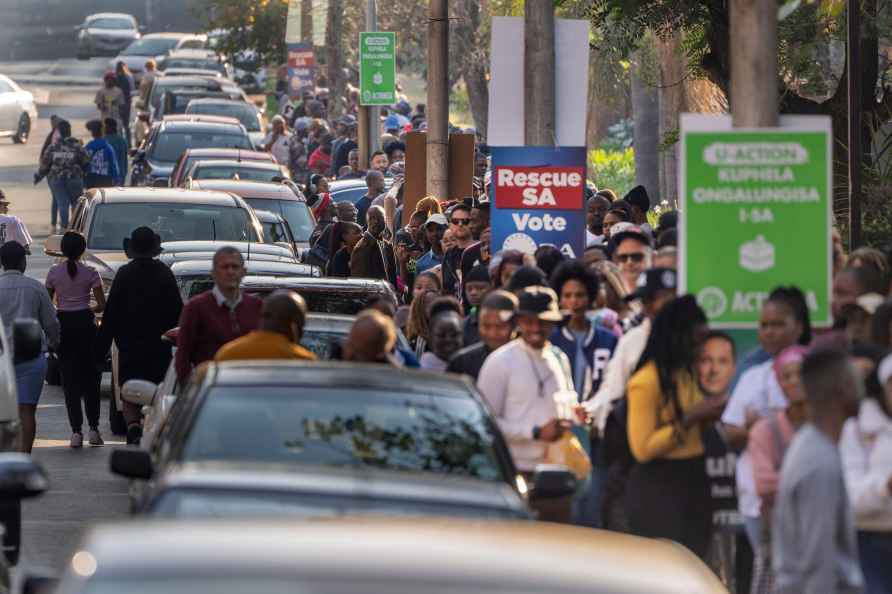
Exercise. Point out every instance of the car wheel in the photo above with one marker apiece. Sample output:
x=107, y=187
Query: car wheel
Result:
x=24, y=130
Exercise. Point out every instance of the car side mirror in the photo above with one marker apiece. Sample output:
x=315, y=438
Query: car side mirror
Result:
x=139, y=392
x=53, y=246
x=160, y=183
x=27, y=340
x=131, y=463
x=552, y=480
x=21, y=477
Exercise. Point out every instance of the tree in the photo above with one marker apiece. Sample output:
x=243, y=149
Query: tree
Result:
x=252, y=24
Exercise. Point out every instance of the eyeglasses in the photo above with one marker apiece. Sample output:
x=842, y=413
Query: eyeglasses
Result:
x=461, y=222
x=637, y=257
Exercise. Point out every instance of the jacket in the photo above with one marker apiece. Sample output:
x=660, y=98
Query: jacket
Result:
x=598, y=347
x=373, y=259
x=469, y=360
x=103, y=161
x=65, y=159
x=866, y=450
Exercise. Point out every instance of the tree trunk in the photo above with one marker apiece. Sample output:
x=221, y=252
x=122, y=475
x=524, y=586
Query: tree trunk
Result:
x=335, y=58
x=474, y=66
x=673, y=101
x=645, y=110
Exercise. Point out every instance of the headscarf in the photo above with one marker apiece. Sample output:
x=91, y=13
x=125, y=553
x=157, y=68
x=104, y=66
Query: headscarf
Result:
x=791, y=354
x=320, y=208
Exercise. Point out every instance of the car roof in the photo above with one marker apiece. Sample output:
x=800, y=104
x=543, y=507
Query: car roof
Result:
x=248, y=189
x=170, y=35
x=327, y=284
x=185, y=81
x=504, y=556
x=260, y=264
x=220, y=101
x=102, y=15
x=166, y=195
x=192, y=54
x=179, y=125
x=361, y=483
x=186, y=250
x=178, y=72
x=229, y=153
x=247, y=164
x=198, y=117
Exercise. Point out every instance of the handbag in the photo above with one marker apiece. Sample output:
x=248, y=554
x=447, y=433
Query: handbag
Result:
x=567, y=451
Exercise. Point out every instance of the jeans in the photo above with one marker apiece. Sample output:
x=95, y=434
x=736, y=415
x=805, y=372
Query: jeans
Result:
x=66, y=192
x=587, y=508
x=875, y=550
x=54, y=207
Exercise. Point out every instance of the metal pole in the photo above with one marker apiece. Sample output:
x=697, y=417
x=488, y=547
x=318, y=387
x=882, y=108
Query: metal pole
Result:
x=374, y=112
x=853, y=67
x=754, y=97
x=539, y=66
x=438, y=99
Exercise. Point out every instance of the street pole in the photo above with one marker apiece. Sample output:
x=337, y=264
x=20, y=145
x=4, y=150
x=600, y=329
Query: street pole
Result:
x=369, y=135
x=539, y=82
x=754, y=81
x=853, y=68
x=438, y=99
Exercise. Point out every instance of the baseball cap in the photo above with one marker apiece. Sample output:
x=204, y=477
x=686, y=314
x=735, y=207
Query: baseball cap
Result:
x=439, y=219
x=653, y=280
x=541, y=302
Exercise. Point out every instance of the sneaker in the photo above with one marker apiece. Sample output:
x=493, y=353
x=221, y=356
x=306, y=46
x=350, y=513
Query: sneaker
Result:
x=134, y=434
x=77, y=440
x=94, y=438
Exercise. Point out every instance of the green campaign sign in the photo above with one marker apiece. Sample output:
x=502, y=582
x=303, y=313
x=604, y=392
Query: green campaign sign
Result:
x=377, y=68
x=755, y=214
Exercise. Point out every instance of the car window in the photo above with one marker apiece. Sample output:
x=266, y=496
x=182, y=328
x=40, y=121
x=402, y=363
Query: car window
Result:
x=349, y=194
x=296, y=212
x=321, y=300
x=245, y=113
x=275, y=232
x=336, y=427
x=110, y=23
x=5, y=86
x=195, y=43
x=230, y=171
x=173, y=222
x=170, y=145
x=152, y=46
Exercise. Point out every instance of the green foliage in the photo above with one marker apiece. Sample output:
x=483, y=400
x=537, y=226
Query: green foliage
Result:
x=619, y=136
x=613, y=169
x=252, y=24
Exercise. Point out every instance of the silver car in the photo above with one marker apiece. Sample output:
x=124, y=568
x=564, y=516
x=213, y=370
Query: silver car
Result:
x=106, y=34
x=18, y=112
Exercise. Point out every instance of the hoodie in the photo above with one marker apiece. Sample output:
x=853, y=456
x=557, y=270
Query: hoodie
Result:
x=866, y=449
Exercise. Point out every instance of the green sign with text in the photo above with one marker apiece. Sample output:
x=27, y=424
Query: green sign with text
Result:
x=755, y=214
x=377, y=68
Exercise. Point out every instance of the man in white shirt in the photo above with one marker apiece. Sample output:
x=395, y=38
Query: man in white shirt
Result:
x=12, y=228
x=528, y=383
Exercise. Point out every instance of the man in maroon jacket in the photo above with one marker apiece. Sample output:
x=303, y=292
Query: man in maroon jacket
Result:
x=218, y=316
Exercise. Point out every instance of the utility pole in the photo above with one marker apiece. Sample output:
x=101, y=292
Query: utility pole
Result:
x=438, y=99
x=369, y=134
x=539, y=82
x=754, y=80
x=853, y=68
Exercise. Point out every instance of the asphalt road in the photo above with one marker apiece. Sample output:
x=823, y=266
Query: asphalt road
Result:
x=82, y=491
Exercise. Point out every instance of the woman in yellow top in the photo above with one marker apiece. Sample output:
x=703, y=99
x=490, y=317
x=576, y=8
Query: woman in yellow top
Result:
x=667, y=494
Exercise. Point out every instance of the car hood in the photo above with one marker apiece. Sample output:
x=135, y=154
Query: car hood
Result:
x=106, y=262
x=114, y=33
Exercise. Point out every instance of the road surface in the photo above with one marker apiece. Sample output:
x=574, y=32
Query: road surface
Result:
x=82, y=489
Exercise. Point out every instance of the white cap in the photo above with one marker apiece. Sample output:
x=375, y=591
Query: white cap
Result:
x=437, y=218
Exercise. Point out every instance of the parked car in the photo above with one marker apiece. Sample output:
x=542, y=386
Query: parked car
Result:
x=201, y=59
x=106, y=34
x=351, y=190
x=19, y=476
x=156, y=159
x=283, y=198
x=154, y=46
x=248, y=68
x=356, y=555
x=166, y=84
x=276, y=230
x=180, y=251
x=247, y=113
x=191, y=72
x=347, y=296
x=18, y=111
x=192, y=155
x=176, y=101
x=249, y=171
x=268, y=414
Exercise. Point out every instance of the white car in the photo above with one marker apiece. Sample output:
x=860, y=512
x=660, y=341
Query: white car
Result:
x=155, y=46
x=106, y=34
x=18, y=112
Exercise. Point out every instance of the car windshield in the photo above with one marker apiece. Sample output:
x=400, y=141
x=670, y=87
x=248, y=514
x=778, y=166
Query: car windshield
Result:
x=151, y=46
x=245, y=113
x=328, y=426
x=296, y=212
x=173, y=222
x=195, y=504
x=328, y=300
x=110, y=23
x=230, y=171
x=349, y=194
x=170, y=145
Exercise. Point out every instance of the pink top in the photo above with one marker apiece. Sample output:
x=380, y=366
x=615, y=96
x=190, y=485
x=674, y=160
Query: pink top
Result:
x=72, y=294
x=765, y=457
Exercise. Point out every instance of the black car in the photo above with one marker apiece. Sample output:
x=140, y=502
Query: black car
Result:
x=269, y=416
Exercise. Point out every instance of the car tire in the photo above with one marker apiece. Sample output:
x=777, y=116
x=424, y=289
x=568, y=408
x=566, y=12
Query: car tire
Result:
x=23, y=132
x=11, y=518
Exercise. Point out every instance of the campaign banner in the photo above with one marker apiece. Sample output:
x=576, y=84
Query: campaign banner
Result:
x=538, y=196
x=301, y=68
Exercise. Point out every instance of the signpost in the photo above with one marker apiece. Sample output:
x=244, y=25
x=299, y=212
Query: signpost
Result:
x=377, y=68
x=301, y=68
x=755, y=214
x=538, y=199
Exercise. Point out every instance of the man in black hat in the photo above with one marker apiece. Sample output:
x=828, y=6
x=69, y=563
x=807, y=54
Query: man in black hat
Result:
x=143, y=304
x=640, y=202
x=528, y=383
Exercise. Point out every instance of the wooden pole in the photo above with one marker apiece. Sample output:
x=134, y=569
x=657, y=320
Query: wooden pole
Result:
x=853, y=68
x=438, y=99
x=539, y=68
x=754, y=77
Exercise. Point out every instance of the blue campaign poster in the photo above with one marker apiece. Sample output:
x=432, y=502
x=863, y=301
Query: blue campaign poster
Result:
x=538, y=196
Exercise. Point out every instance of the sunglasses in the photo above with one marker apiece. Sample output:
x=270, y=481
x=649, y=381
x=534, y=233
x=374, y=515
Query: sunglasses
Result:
x=636, y=257
x=461, y=222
